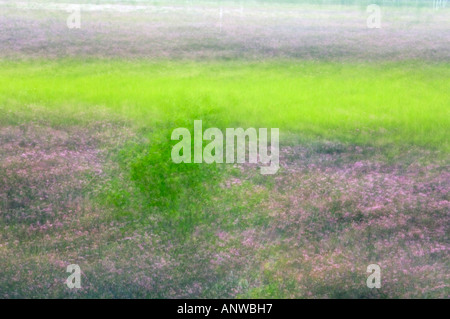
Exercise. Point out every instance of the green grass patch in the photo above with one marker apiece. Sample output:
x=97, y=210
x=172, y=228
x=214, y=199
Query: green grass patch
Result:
x=392, y=105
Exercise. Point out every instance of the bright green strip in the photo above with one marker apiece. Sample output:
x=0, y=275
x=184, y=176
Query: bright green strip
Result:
x=402, y=104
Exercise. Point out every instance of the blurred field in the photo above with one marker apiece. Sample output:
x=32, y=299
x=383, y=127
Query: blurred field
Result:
x=86, y=176
x=224, y=30
x=394, y=106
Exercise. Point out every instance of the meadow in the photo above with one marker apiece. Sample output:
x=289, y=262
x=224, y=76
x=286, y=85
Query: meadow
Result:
x=86, y=176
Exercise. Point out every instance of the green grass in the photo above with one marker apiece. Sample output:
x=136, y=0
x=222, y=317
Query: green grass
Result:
x=393, y=105
x=146, y=212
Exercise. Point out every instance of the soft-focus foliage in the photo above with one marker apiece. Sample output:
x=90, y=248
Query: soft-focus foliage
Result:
x=86, y=176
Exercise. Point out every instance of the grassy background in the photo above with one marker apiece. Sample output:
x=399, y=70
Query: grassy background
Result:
x=393, y=105
x=86, y=175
